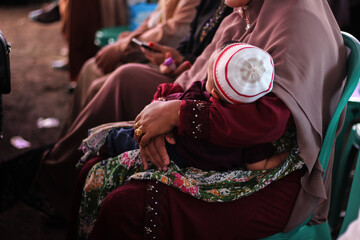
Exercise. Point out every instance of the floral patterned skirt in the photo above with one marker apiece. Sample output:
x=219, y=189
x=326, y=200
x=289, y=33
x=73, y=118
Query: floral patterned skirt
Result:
x=211, y=186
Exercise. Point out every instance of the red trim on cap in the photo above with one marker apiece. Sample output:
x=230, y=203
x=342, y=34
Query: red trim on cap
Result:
x=215, y=75
x=226, y=75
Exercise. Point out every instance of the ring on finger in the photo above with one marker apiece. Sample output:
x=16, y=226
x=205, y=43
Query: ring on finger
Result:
x=137, y=125
x=139, y=132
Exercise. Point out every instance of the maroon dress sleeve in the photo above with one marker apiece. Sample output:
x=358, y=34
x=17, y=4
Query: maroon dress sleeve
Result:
x=235, y=125
x=165, y=89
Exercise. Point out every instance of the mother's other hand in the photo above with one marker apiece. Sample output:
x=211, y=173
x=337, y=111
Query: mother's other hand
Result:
x=157, y=118
x=156, y=153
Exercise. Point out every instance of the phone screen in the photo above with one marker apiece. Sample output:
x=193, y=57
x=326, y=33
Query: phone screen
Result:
x=142, y=44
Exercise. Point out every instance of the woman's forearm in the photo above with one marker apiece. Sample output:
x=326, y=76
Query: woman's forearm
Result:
x=155, y=120
x=235, y=125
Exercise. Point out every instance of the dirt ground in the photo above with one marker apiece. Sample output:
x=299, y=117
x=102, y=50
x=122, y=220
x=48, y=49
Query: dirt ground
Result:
x=38, y=91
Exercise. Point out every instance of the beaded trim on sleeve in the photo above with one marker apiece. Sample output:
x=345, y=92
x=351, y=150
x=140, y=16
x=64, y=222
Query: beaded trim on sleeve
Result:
x=196, y=119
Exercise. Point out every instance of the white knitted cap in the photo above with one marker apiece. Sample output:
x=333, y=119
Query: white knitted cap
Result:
x=243, y=73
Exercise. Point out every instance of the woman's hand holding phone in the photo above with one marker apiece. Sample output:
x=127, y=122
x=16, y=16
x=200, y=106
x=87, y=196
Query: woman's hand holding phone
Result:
x=157, y=54
x=172, y=69
x=158, y=57
x=142, y=44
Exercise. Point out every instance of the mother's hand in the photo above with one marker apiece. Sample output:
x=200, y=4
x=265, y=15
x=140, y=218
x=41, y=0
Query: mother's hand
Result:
x=156, y=153
x=157, y=118
x=151, y=124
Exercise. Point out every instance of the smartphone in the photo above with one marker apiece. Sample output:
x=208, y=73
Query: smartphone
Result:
x=143, y=44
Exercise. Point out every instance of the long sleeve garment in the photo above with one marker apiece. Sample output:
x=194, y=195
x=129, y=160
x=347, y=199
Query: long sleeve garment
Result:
x=167, y=25
x=243, y=132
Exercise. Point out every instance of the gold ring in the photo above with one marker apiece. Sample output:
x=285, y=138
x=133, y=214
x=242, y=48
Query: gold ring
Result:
x=139, y=132
x=136, y=125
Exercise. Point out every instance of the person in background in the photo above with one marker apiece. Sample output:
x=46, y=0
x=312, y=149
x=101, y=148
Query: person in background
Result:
x=78, y=27
x=83, y=49
x=167, y=25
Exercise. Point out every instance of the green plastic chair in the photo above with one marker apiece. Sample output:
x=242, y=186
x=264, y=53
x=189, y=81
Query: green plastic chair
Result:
x=109, y=35
x=344, y=159
x=322, y=231
x=353, y=205
x=341, y=174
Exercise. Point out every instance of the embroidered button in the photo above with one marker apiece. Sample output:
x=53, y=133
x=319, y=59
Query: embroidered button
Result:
x=198, y=127
x=148, y=230
x=200, y=106
x=149, y=208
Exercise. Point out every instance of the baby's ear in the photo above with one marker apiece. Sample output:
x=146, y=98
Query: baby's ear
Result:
x=215, y=94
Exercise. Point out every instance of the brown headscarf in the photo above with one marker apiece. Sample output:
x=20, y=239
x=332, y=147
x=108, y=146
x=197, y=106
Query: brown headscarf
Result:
x=305, y=42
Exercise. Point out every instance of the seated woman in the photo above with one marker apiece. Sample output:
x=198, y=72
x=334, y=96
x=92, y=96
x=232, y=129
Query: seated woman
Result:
x=238, y=74
x=167, y=25
x=291, y=31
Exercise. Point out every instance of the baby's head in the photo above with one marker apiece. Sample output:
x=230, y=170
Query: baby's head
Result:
x=240, y=73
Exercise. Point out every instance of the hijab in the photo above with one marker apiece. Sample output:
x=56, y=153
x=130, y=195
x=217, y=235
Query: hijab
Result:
x=305, y=42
